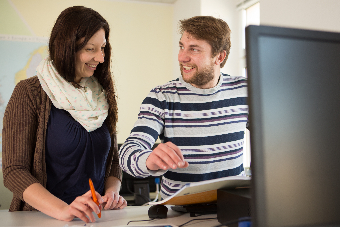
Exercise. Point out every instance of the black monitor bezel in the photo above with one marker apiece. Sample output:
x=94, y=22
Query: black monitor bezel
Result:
x=253, y=33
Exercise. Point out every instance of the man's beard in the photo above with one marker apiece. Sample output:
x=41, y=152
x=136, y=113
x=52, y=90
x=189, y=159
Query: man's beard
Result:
x=202, y=77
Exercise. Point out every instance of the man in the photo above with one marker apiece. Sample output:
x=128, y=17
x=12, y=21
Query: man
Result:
x=199, y=117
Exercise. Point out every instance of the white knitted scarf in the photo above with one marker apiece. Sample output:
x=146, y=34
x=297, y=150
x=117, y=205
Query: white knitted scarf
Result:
x=87, y=105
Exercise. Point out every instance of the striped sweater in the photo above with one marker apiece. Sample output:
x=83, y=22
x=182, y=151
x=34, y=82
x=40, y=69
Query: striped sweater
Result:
x=206, y=124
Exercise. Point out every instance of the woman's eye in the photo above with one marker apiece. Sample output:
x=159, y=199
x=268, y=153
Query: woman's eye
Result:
x=89, y=49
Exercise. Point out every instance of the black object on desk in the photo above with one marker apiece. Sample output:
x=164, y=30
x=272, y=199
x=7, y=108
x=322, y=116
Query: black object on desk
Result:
x=196, y=209
x=233, y=204
x=158, y=211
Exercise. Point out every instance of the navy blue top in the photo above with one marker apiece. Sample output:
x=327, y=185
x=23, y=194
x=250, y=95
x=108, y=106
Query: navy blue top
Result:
x=74, y=155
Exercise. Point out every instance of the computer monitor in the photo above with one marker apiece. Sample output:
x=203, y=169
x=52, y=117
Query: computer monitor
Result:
x=294, y=106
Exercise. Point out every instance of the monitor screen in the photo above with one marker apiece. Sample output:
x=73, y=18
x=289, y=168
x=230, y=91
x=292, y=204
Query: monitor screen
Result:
x=294, y=106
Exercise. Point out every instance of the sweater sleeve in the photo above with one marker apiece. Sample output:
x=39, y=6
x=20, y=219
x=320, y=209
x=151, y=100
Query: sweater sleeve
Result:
x=20, y=124
x=137, y=147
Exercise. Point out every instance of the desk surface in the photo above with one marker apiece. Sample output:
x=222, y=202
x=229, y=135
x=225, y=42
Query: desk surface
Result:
x=109, y=218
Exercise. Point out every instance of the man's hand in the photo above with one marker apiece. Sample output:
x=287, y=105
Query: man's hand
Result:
x=166, y=156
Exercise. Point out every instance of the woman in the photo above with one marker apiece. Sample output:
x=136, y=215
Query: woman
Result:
x=60, y=126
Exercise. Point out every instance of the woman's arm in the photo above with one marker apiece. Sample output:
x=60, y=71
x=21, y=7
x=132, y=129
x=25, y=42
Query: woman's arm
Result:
x=19, y=138
x=19, y=144
x=41, y=199
x=112, y=199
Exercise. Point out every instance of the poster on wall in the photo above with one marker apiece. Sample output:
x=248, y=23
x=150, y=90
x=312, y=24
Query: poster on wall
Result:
x=20, y=55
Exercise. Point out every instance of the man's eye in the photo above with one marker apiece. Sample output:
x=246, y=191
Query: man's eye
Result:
x=181, y=47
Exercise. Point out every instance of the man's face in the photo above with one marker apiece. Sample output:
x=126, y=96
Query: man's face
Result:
x=196, y=63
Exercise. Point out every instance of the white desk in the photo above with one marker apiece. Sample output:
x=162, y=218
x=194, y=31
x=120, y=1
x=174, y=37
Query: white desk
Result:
x=109, y=218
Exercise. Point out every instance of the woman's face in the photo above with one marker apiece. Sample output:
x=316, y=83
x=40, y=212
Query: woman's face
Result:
x=90, y=56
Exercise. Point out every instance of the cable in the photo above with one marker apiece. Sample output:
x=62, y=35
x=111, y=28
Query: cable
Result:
x=136, y=194
x=139, y=221
x=157, y=189
x=243, y=219
x=196, y=219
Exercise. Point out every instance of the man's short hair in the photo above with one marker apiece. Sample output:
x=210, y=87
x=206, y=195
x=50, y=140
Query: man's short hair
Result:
x=213, y=30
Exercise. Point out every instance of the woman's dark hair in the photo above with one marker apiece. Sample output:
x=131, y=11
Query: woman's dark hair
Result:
x=73, y=29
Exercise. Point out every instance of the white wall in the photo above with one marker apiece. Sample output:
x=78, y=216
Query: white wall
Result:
x=305, y=14
x=141, y=39
x=183, y=9
x=226, y=10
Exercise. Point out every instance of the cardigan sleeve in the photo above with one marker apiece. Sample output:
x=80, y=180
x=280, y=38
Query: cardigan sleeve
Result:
x=20, y=124
x=113, y=168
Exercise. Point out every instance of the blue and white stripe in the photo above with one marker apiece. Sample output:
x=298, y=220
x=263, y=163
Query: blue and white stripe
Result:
x=206, y=124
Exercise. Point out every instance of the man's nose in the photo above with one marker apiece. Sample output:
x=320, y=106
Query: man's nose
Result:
x=183, y=56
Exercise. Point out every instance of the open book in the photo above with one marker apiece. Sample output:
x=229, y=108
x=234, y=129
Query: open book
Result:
x=204, y=192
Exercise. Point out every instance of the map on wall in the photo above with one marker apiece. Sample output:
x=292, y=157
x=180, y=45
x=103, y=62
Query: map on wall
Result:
x=20, y=55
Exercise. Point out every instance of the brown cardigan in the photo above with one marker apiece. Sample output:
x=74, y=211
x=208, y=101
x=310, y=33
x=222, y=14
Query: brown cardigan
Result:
x=23, y=142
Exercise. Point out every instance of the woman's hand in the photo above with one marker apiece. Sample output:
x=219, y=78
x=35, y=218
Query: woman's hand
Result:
x=112, y=200
x=82, y=207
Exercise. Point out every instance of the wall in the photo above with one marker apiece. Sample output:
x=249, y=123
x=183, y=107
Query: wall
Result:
x=144, y=39
x=141, y=39
x=306, y=14
x=226, y=10
x=183, y=9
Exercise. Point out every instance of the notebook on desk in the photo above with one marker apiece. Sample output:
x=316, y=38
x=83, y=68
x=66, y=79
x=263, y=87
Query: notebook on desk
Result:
x=203, y=192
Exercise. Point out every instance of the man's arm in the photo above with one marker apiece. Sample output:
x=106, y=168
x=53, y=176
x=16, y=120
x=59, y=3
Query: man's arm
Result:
x=137, y=147
x=135, y=155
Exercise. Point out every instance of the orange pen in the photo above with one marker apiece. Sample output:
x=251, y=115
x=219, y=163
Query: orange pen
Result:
x=94, y=197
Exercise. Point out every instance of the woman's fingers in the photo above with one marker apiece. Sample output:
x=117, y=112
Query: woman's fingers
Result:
x=82, y=211
x=113, y=200
x=84, y=206
x=121, y=203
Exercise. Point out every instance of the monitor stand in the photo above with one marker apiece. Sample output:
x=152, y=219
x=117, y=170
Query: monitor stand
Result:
x=233, y=204
x=196, y=209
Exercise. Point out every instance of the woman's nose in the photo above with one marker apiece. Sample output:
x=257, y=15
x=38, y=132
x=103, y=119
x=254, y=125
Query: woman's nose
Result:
x=99, y=56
